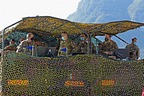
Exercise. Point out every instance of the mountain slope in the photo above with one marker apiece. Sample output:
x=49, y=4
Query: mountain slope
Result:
x=100, y=11
x=108, y=10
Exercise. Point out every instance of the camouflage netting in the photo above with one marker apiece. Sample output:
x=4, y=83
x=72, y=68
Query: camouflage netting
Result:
x=51, y=76
x=46, y=25
x=55, y=26
x=81, y=75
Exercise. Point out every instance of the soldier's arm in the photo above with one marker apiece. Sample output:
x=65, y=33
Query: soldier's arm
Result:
x=76, y=47
x=71, y=47
x=116, y=46
x=100, y=46
x=128, y=46
x=59, y=48
x=20, y=47
x=6, y=48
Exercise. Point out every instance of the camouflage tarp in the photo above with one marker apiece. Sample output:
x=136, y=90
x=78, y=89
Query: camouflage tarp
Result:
x=46, y=25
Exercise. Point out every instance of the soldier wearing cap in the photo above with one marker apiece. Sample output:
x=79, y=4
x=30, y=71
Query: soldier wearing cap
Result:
x=83, y=44
x=66, y=45
x=134, y=51
x=108, y=46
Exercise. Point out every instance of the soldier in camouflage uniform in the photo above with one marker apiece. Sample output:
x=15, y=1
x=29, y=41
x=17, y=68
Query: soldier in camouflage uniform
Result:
x=134, y=51
x=12, y=46
x=83, y=45
x=26, y=46
x=108, y=46
x=66, y=45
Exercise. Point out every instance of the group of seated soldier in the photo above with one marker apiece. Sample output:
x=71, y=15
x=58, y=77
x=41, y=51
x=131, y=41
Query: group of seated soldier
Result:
x=34, y=47
x=109, y=49
x=30, y=46
x=68, y=47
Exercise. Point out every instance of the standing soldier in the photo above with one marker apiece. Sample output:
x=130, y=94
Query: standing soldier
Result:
x=66, y=46
x=134, y=51
x=108, y=46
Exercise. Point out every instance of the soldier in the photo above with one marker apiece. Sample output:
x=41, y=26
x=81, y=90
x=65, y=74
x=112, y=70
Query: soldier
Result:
x=11, y=46
x=26, y=46
x=21, y=39
x=66, y=45
x=83, y=44
x=134, y=51
x=108, y=46
x=40, y=48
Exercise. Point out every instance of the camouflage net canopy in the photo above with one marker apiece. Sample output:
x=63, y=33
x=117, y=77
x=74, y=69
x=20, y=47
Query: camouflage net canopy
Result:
x=46, y=25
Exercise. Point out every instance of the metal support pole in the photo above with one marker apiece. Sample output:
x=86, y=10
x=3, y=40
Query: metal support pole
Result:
x=88, y=44
x=3, y=32
x=2, y=53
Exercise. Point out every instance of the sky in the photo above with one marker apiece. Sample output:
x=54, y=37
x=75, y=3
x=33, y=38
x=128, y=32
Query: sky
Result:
x=14, y=10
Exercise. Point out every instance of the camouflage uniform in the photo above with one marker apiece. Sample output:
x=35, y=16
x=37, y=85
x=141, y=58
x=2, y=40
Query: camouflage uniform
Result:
x=134, y=51
x=108, y=46
x=26, y=47
x=83, y=46
x=11, y=47
x=66, y=48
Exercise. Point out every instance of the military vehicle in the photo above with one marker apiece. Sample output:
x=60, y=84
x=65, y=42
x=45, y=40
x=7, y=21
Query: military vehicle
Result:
x=76, y=75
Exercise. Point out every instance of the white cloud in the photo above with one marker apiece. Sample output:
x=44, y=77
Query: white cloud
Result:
x=14, y=10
